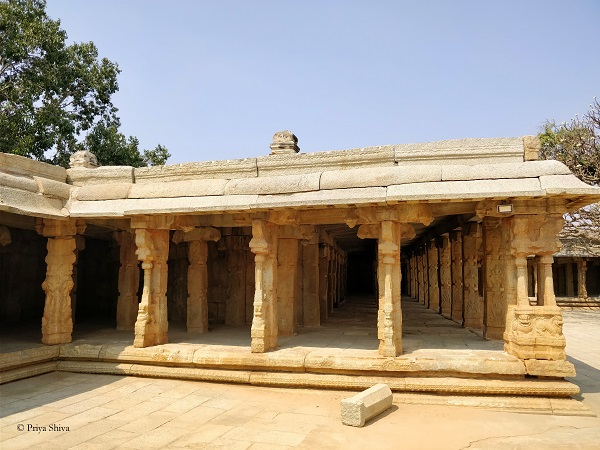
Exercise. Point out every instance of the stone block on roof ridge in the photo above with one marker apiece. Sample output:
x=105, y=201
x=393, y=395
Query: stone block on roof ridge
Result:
x=321, y=161
x=218, y=169
x=100, y=175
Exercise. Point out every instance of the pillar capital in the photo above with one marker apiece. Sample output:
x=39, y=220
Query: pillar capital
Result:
x=54, y=228
x=536, y=234
x=163, y=222
x=197, y=234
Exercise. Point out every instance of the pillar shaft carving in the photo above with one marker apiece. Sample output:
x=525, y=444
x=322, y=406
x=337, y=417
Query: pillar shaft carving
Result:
x=582, y=278
x=323, y=280
x=287, y=271
x=264, y=323
x=310, y=284
x=569, y=279
x=197, y=281
x=197, y=275
x=421, y=277
x=389, y=318
x=457, y=276
x=497, y=269
x=446, y=276
x=151, y=326
x=472, y=302
x=129, y=280
x=535, y=332
x=57, y=321
x=433, y=268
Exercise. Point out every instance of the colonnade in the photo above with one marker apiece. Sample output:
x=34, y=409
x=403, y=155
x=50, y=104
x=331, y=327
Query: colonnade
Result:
x=448, y=268
x=299, y=277
x=477, y=275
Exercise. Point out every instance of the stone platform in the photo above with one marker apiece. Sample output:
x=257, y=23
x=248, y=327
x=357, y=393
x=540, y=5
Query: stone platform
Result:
x=439, y=356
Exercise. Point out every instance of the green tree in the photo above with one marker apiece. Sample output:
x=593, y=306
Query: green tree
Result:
x=575, y=143
x=56, y=98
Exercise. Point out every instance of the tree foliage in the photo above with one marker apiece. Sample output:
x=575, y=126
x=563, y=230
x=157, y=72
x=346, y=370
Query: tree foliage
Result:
x=575, y=143
x=55, y=98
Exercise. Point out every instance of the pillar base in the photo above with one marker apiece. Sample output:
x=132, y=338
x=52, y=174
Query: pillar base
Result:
x=197, y=330
x=493, y=333
x=148, y=340
x=535, y=332
x=261, y=344
x=56, y=338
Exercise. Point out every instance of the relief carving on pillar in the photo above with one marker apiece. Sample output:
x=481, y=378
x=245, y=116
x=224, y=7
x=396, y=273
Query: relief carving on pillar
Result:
x=151, y=326
x=472, y=302
x=535, y=332
x=496, y=274
x=57, y=321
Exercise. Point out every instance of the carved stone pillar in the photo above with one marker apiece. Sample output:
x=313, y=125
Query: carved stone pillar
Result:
x=152, y=240
x=235, y=306
x=473, y=306
x=389, y=317
x=420, y=277
x=548, y=298
x=415, y=280
x=457, y=276
x=310, y=283
x=445, y=276
x=334, y=278
x=569, y=279
x=495, y=278
x=197, y=275
x=287, y=270
x=582, y=278
x=264, y=324
x=57, y=321
x=535, y=332
x=129, y=280
x=434, y=284
x=323, y=280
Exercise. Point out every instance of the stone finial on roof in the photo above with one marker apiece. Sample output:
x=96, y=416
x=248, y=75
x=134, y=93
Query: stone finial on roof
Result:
x=84, y=159
x=284, y=143
x=531, y=147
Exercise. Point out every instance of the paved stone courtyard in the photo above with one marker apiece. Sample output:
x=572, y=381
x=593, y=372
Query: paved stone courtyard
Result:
x=107, y=411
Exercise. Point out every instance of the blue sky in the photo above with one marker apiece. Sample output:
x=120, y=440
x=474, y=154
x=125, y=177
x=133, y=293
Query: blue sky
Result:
x=216, y=79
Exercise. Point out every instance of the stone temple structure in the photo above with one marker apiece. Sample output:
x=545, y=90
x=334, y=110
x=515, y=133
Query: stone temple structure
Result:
x=275, y=245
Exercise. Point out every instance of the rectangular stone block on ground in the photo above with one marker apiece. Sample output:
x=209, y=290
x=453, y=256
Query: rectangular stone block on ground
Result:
x=358, y=409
